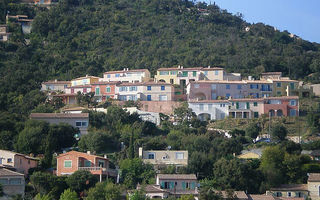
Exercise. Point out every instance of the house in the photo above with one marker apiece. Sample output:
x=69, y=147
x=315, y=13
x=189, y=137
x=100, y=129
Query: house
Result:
x=316, y=89
x=145, y=116
x=13, y=183
x=86, y=80
x=20, y=162
x=162, y=158
x=79, y=120
x=173, y=185
x=210, y=109
x=282, y=106
x=4, y=33
x=314, y=185
x=284, y=87
x=213, y=90
x=104, y=90
x=251, y=154
x=270, y=75
x=289, y=191
x=259, y=88
x=129, y=76
x=147, y=91
x=55, y=86
x=68, y=163
x=246, y=108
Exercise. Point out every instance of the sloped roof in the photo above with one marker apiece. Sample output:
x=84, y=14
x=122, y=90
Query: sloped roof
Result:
x=59, y=115
x=291, y=187
x=238, y=194
x=20, y=154
x=260, y=197
x=7, y=172
x=314, y=177
x=124, y=71
x=315, y=153
x=177, y=176
x=80, y=154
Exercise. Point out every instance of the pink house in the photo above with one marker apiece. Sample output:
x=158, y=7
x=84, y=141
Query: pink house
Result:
x=282, y=106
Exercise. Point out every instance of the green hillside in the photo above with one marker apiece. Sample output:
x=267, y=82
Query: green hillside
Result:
x=79, y=37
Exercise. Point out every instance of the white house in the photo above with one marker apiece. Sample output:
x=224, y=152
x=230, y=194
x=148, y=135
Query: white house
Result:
x=210, y=109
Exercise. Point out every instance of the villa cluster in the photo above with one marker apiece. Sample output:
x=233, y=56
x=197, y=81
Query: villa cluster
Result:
x=211, y=92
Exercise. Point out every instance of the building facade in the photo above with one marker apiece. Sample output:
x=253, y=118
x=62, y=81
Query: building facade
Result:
x=20, y=162
x=210, y=109
x=127, y=76
x=56, y=86
x=13, y=183
x=282, y=106
x=80, y=120
x=104, y=90
x=86, y=80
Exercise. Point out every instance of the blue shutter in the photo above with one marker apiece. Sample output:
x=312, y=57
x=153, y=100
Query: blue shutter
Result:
x=193, y=185
x=183, y=185
x=162, y=184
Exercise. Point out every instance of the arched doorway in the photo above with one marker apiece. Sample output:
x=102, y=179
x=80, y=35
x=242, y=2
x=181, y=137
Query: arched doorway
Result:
x=271, y=113
x=162, y=81
x=279, y=113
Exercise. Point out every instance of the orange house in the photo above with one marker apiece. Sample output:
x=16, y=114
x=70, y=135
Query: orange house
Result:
x=68, y=163
x=104, y=90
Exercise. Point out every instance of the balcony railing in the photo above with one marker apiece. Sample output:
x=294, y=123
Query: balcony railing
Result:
x=92, y=168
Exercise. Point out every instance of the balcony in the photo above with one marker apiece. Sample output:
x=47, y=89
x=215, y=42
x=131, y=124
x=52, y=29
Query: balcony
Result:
x=100, y=170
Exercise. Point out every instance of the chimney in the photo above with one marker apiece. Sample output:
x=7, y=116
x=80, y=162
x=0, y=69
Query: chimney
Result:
x=178, y=66
x=181, y=67
x=88, y=152
x=124, y=69
x=249, y=78
x=140, y=152
x=55, y=80
x=86, y=75
x=209, y=66
x=105, y=156
x=127, y=69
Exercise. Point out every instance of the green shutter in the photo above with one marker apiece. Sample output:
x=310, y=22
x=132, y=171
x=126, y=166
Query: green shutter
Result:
x=183, y=185
x=248, y=105
x=237, y=105
x=162, y=184
x=194, y=73
x=171, y=185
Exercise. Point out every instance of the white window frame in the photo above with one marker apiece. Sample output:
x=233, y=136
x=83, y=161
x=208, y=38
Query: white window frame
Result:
x=177, y=155
x=64, y=163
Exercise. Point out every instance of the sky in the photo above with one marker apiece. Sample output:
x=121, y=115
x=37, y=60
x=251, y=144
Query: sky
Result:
x=300, y=17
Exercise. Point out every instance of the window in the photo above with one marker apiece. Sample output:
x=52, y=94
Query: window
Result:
x=196, y=85
x=239, y=87
x=184, y=74
x=194, y=73
x=293, y=103
x=67, y=163
x=228, y=87
x=85, y=81
x=298, y=194
x=227, y=95
x=289, y=194
x=164, y=73
x=148, y=97
x=149, y=87
x=255, y=104
x=278, y=194
x=173, y=72
x=254, y=86
x=81, y=124
x=163, y=98
x=201, y=107
x=133, y=88
x=108, y=75
x=117, y=75
x=3, y=181
x=222, y=116
x=213, y=86
x=278, y=84
x=171, y=81
x=84, y=90
x=206, y=73
x=255, y=114
x=65, y=86
x=9, y=160
x=179, y=155
x=216, y=73
x=123, y=88
x=87, y=163
x=108, y=89
x=151, y=155
x=291, y=86
x=72, y=90
x=293, y=112
x=163, y=87
x=248, y=105
x=209, y=106
x=97, y=91
x=278, y=93
x=101, y=163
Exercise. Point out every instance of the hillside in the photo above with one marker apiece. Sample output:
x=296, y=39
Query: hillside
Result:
x=80, y=37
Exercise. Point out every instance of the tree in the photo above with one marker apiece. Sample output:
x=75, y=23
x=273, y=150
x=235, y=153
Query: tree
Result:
x=112, y=192
x=138, y=195
x=279, y=132
x=252, y=130
x=99, y=142
x=186, y=197
x=69, y=195
x=81, y=180
x=134, y=171
x=184, y=113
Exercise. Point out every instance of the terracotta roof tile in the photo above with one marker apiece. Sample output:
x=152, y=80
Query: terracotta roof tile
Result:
x=291, y=187
x=7, y=172
x=314, y=177
x=130, y=70
x=178, y=176
x=260, y=197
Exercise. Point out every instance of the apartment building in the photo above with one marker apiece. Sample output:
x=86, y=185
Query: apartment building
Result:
x=127, y=76
x=282, y=106
x=55, y=86
x=148, y=91
x=80, y=120
x=246, y=108
x=20, y=162
x=104, y=90
x=160, y=158
x=210, y=109
x=86, y=80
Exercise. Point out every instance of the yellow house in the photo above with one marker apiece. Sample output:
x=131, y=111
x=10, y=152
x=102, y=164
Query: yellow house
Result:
x=251, y=154
x=167, y=75
x=284, y=87
x=86, y=80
